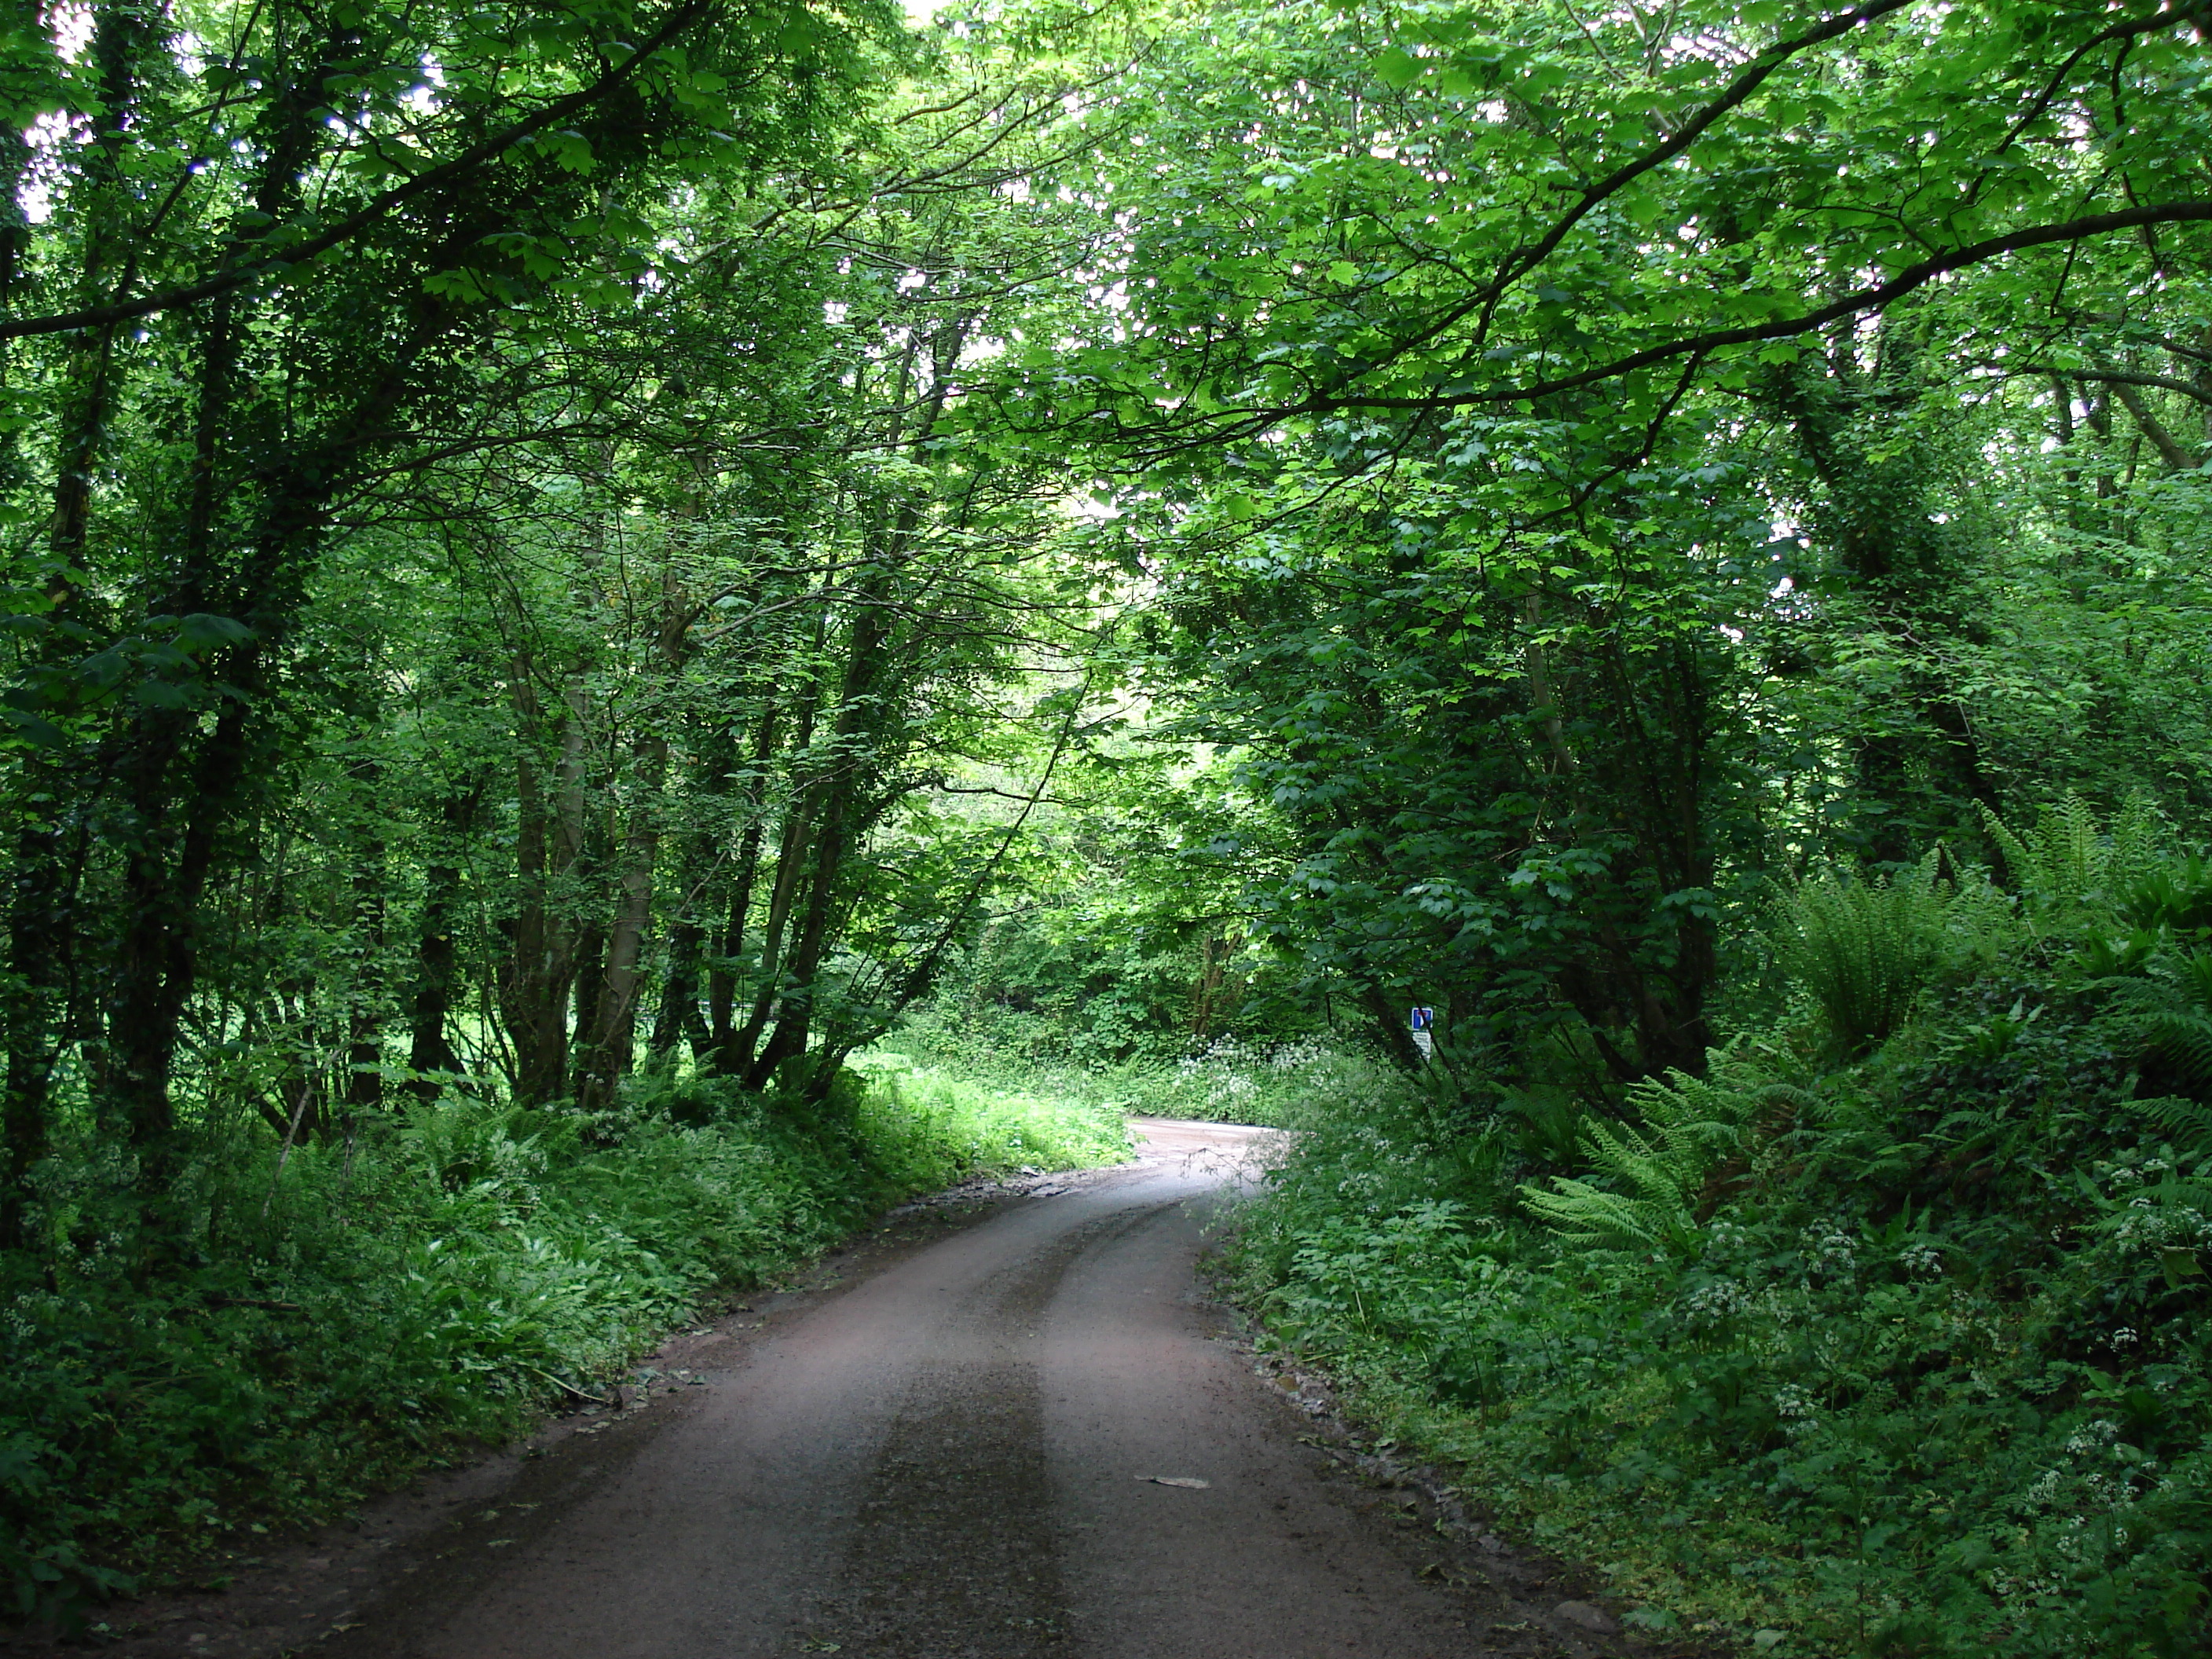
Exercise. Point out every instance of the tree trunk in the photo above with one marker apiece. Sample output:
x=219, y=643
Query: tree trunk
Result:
x=721, y=982
x=165, y=771
x=364, y=1088
x=831, y=840
x=549, y=842
x=613, y=1032
x=734, y=1058
x=585, y=989
x=795, y=1022
x=678, y=1021
x=437, y=961
x=42, y=923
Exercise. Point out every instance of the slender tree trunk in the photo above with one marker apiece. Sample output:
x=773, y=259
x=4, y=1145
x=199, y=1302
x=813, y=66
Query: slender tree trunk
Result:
x=302, y=1092
x=613, y=1031
x=721, y=982
x=678, y=1021
x=2169, y=447
x=42, y=922
x=437, y=975
x=584, y=991
x=735, y=1057
x=364, y=1090
x=790, y=860
x=521, y=988
x=437, y=959
x=831, y=842
x=795, y=1021
x=549, y=842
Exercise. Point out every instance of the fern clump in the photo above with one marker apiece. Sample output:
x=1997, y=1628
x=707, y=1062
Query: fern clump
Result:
x=2068, y=868
x=1863, y=950
x=1934, y=1325
x=1649, y=1179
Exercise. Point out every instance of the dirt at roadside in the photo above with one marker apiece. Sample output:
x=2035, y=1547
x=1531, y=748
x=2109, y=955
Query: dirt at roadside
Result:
x=1539, y=1606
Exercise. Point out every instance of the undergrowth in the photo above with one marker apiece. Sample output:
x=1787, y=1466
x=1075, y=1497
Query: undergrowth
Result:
x=928, y=1126
x=311, y=1328
x=1282, y=1085
x=1902, y=1356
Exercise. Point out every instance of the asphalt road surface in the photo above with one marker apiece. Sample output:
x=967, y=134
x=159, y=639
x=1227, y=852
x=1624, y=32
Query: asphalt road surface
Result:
x=954, y=1448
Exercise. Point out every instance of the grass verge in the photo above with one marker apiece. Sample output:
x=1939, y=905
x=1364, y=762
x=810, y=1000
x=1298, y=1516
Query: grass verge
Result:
x=1281, y=1085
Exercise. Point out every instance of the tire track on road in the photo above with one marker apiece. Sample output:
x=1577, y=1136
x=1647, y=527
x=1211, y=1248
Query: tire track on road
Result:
x=955, y=1548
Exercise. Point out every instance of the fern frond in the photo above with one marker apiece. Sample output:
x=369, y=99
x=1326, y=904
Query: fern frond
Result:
x=1689, y=1124
x=2066, y=864
x=2021, y=861
x=2185, y=1122
x=1583, y=1214
x=2075, y=857
x=2174, y=1193
x=2196, y=980
x=1654, y=1169
x=2141, y=836
x=2185, y=1042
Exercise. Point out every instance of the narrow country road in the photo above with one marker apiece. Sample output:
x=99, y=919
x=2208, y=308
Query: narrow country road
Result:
x=955, y=1454
x=946, y=1461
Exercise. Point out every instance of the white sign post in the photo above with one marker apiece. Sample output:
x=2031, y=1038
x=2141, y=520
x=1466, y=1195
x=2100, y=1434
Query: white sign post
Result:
x=1424, y=1037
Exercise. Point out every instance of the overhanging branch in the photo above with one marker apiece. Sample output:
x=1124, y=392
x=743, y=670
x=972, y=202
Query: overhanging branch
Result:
x=1874, y=297
x=436, y=178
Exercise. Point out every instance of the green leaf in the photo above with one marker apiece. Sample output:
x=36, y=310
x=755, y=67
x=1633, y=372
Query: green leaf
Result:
x=202, y=629
x=1397, y=69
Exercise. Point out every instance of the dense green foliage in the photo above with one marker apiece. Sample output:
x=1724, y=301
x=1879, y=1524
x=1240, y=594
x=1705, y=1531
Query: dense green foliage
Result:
x=567, y=566
x=1635, y=515
x=1543, y=665
x=1907, y=1355
x=1228, y=1080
